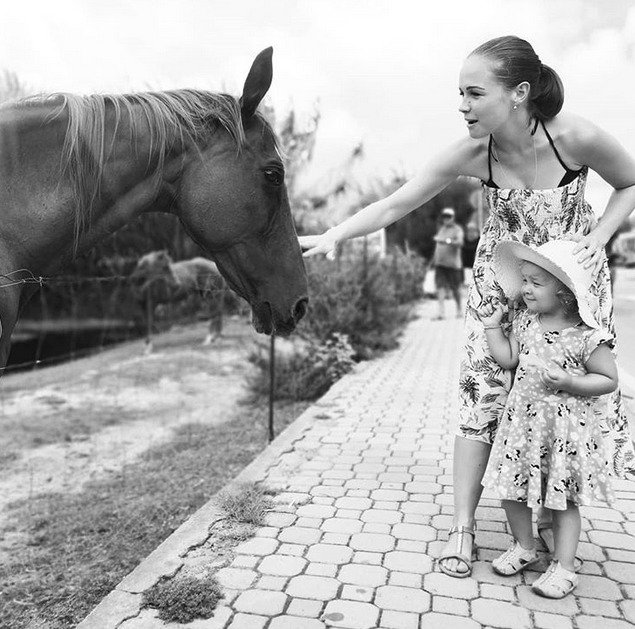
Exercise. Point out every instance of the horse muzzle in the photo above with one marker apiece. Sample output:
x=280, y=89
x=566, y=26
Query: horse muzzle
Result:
x=267, y=320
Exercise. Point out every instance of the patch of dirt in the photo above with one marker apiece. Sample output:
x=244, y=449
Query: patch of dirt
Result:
x=99, y=413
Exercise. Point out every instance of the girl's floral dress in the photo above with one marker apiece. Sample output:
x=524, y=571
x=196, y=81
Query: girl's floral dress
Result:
x=549, y=447
x=532, y=217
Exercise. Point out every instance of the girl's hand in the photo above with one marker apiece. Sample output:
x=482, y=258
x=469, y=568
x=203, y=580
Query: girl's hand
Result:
x=555, y=377
x=591, y=250
x=491, y=314
x=320, y=243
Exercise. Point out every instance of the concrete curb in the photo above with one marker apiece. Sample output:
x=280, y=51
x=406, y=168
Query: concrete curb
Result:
x=124, y=602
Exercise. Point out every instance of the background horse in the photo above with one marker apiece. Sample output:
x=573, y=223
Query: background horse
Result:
x=162, y=281
x=76, y=168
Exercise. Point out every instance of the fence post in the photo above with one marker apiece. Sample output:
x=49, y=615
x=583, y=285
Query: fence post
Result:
x=74, y=319
x=221, y=310
x=272, y=382
x=149, y=316
x=366, y=298
x=42, y=333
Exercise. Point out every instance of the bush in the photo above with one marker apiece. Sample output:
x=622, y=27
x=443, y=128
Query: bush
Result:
x=408, y=271
x=304, y=371
x=358, y=299
x=357, y=309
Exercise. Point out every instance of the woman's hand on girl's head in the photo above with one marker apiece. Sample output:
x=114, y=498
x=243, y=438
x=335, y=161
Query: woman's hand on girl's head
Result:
x=317, y=244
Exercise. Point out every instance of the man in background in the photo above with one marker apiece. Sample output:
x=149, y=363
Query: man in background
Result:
x=447, y=262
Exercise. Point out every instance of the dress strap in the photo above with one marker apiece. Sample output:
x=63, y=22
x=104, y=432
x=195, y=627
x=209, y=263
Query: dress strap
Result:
x=555, y=150
x=490, y=181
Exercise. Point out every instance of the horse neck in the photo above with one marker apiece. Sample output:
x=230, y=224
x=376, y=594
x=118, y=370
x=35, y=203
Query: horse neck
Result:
x=40, y=200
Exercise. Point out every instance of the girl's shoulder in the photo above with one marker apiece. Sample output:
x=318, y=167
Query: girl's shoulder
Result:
x=582, y=340
x=593, y=338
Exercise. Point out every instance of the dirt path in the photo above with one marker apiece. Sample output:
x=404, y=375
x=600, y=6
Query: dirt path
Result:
x=96, y=414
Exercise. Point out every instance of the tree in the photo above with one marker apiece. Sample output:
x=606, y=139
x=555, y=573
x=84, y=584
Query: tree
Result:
x=11, y=87
x=417, y=229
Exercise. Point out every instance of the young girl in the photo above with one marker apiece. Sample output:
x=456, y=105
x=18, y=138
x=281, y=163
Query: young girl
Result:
x=549, y=449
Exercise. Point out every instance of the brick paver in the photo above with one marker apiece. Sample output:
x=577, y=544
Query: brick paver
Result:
x=365, y=503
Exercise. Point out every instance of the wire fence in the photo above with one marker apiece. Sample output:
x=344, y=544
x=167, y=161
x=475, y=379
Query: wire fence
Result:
x=117, y=307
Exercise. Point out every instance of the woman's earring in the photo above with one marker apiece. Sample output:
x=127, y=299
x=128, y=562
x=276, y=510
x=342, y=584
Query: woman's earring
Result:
x=515, y=107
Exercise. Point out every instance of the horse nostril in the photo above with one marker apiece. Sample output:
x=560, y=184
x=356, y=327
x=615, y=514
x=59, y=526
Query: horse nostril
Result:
x=300, y=309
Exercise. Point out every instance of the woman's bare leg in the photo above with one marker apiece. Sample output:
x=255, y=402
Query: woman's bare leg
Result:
x=470, y=461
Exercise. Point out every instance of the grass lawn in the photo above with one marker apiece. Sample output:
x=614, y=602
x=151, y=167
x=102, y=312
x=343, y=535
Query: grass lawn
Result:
x=77, y=547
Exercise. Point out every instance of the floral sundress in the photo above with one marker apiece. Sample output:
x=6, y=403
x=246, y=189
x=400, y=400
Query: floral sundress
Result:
x=549, y=446
x=532, y=217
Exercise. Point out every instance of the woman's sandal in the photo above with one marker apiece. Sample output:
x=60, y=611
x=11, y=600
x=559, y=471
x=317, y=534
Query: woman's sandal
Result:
x=556, y=582
x=458, y=553
x=547, y=542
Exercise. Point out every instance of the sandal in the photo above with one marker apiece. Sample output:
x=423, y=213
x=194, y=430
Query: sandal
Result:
x=547, y=542
x=556, y=582
x=458, y=553
x=514, y=560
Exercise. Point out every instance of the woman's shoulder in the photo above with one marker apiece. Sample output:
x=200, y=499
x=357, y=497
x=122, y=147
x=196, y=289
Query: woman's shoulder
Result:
x=469, y=156
x=573, y=136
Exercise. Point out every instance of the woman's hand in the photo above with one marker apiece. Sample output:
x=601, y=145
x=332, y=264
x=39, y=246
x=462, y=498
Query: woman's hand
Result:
x=591, y=250
x=324, y=243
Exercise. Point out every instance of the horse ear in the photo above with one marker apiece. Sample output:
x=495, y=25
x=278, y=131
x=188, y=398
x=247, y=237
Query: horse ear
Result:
x=257, y=83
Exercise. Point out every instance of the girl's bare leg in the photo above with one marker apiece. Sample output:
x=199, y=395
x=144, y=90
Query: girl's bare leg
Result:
x=566, y=534
x=519, y=518
x=470, y=461
x=544, y=522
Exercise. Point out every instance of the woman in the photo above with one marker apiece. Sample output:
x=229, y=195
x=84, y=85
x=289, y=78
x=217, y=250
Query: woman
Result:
x=533, y=162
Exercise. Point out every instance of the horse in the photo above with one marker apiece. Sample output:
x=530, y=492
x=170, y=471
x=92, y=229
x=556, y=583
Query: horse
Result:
x=162, y=281
x=76, y=168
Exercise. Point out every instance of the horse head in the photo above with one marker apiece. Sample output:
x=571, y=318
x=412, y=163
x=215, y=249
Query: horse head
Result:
x=233, y=201
x=153, y=272
x=152, y=265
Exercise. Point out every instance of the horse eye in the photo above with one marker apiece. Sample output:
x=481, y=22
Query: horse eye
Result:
x=274, y=177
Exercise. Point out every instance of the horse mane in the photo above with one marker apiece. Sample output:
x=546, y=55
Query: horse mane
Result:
x=172, y=117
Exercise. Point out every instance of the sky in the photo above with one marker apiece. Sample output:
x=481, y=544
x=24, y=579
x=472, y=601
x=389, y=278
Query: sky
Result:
x=381, y=72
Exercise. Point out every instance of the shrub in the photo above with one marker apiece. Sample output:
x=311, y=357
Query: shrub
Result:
x=357, y=309
x=408, y=271
x=357, y=298
x=304, y=371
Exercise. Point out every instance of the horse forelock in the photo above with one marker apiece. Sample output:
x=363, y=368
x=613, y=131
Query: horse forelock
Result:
x=170, y=118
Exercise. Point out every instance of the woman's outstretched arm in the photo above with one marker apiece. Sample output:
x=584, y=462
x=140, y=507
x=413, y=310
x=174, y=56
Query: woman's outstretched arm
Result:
x=437, y=175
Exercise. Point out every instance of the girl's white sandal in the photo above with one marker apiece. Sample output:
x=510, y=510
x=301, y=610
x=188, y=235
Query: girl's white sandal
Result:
x=556, y=582
x=514, y=560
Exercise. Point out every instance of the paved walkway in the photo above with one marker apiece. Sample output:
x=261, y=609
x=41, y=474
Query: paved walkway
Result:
x=366, y=503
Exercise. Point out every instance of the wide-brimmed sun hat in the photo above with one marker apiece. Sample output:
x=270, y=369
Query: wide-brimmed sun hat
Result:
x=555, y=257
